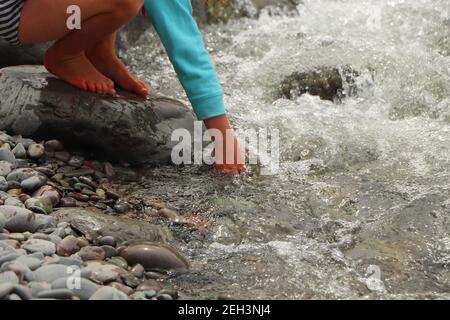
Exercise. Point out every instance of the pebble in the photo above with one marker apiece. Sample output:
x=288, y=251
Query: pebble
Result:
x=120, y=286
x=22, y=292
x=107, y=241
x=112, y=195
x=19, y=151
x=3, y=184
x=51, y=272
x=170, y=215
x=62, y=155
x=84, y=291
x=7, y=155
x=65, y=261
x=31, y=262
x=68, y=202
x=109, y=293
x=154, y=257
x=45, y=171
x=92, y=253
x=42, y=205
x=68, y=246
x=36, y=151
x=13, y=201
x=138, y=271
x=48, y=192
x=21, y=174
x=5, y=168
x=122, y=207
x=33, y=183
x=109, y=251
x=2, y=221
x=38, y=286
x=37, y=245
x=22, y=220
x=53, y=145
x=9, y=277
x=76, y=161
x=149, y=285
x=119, y=261
x=55, y=294
x=104, y=272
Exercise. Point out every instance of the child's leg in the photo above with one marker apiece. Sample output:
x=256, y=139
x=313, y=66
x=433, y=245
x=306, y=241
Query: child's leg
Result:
x=103, y=56
x=66, y=58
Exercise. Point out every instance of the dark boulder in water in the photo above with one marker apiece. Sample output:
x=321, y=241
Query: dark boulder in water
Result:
x=329, y=83
x=124, y=127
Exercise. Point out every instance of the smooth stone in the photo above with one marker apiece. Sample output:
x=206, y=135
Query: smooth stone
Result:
x=149, y=285
x=9, y=257
x=13, y=201
x=21, y=270
x=107, y=241
x=55, y=294
x=5, y=168
x=7, y=155
x=48, y=192
x=86, y=289
x=120, y=286
x=9, y=277
x=62, y=155
x=76, y=161
x=130, y=280
x=36, y=150
x=112, y=195
x=109, y=293
x=21, y=174
x=53, y=145
x=37, y=245
x=164, y=296
x=41, y=205
x=138, y=295
x=25, y=141
x=104, y=272
x=170, y=215
x=138, y=271
x=119, y=261
x=68, y=246
x=68, y=202
x=21, y=291
x=65, y=261
x=31, y=262
x=122, y=207
x=45, y=171
x=91, y=253
x=2, y=221
x=21, y=219
x=10, y=242
x=33, y=183
x=88, y=181
x=4, y=186
x=38, y=286
x=51, y=272
x=19, y=151
x=109, y=251
x=155, y=257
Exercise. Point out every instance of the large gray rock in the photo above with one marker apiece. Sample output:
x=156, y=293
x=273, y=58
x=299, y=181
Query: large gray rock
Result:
x=125, y=127
x=93, y=224
x=23, y=54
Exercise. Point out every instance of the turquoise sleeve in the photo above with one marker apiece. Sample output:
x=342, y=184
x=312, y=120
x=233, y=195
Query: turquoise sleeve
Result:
x=181, y=37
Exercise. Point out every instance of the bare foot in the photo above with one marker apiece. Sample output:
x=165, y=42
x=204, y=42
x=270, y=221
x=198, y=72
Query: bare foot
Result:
x=105, y=59
x=78, y=71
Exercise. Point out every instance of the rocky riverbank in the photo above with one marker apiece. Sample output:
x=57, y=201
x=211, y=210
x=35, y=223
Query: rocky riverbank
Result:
x=64, y=231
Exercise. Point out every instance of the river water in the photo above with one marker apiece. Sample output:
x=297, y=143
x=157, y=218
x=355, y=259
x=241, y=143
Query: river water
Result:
x=360, y=206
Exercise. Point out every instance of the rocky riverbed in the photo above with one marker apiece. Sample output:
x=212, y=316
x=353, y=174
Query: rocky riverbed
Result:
x=64, y=231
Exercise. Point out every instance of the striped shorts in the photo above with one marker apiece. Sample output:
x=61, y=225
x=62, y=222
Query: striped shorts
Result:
x=10, y=11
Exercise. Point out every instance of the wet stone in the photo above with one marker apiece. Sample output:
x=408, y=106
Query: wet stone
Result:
x=92, y=253
x=109, y=251
x=107, y=241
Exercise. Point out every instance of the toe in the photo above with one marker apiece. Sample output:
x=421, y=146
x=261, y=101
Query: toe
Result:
x=91, y=86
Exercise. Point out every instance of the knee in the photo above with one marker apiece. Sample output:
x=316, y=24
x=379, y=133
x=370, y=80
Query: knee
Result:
x=127, y=8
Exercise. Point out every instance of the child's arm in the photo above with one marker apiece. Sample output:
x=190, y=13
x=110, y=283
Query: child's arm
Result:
x=184, y=44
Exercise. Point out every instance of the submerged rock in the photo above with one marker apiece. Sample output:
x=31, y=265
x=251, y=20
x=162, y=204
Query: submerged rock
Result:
x=94, y=224
x=328, y=83
x=124, y=127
